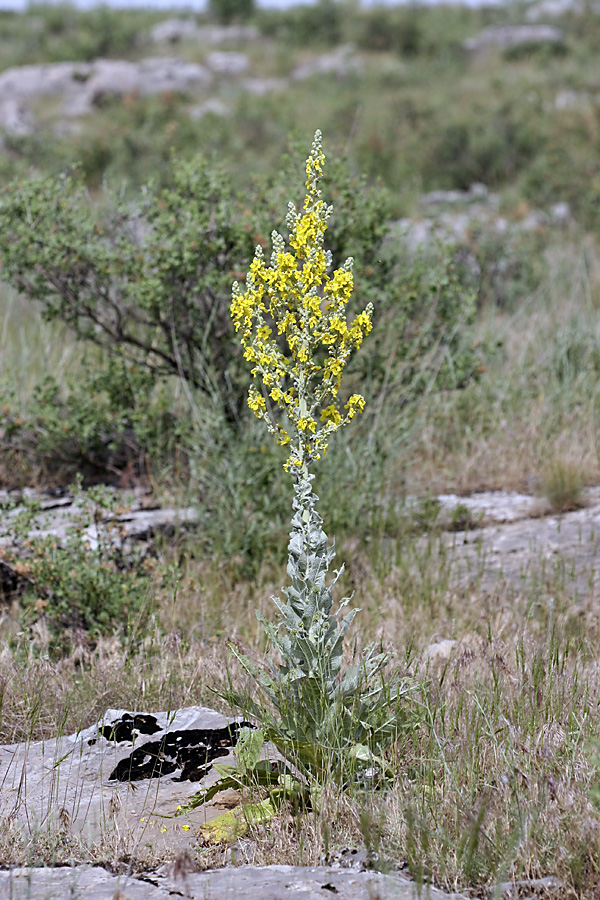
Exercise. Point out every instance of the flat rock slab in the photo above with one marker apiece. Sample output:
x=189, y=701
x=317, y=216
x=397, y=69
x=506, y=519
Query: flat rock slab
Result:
x=520, y=548
x=238, y=883
x=58, y=516
x=126, y=774
x=493, y=506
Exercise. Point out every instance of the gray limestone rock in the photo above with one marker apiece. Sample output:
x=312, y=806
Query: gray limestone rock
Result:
x=58, y=516
x=227, y=62
x=81, y=86
x=236, y=883
x=171, y=31
x=340, y=62
x=504, y=37
x=128, y=773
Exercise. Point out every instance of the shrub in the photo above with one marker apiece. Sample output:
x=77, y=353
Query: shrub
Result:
x=147, y=281
x=84, y=582
x=102, y=422
x=390, y=29
x=227, y=11
x=317, y=24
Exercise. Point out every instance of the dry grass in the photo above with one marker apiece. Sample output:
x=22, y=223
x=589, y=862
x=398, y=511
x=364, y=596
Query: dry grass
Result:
x=538, y=400
x=495, y=781
x=498, y=778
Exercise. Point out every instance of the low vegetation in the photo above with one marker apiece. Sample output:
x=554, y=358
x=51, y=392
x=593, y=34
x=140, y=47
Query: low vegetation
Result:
x=119, y=363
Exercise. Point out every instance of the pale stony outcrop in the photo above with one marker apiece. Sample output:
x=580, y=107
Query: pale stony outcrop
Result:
x=82, y=86
x=567, y=99
x=15, y=118
x=173, y=30
x=138, y=519
x=451, y=216
x=477, y=193
x=227, y=62
x=127, y=773
x=262, y=86
x=511, y=537
x=340, y=62
x=553, y=9
x=504, y=37
x=212, y=106
x=238, y=883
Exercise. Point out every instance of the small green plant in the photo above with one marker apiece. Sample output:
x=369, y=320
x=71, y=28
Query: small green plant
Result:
x=329, y=724
x=84, y=581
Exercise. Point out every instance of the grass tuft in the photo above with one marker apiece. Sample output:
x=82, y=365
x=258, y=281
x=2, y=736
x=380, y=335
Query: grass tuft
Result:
x=562, y=483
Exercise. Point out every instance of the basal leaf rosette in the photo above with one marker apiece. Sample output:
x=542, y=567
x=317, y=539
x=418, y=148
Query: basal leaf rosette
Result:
x=295, y=331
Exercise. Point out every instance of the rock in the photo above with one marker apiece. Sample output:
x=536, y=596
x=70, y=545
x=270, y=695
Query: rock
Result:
x=568, y=99
x=126, y=776
x=512, y=550
x=440, y=651
x=477, y=193
x=30, y=82
x=552, y=9
x=560, y=214
x=15, y=118
x=340, y=62
x=87, y=778
x=212, y=106
x=171, y=31
x=227, y=62
x=84, y=85
x=493, y=506
x=58, y=517
x=455, y=226
x=237, y=883
x=505, y=37
x=153, y=75
x=352, y=858
x=216, y=35
x=535, y=887
x=262, y=86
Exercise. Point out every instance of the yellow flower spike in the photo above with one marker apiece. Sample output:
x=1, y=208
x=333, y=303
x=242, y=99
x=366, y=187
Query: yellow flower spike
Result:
x=296, y=299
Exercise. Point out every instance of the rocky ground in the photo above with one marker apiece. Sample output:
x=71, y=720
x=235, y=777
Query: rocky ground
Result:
x=129, y=773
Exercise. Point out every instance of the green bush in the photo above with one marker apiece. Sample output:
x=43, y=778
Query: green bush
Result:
x=104, y=421
x=227, y=11
x=64, y=32
x=318, y=24
x=149, y=281
x=396, y=30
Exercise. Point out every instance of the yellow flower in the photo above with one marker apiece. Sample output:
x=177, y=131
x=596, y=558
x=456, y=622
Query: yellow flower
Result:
x=330, y=414
x=293, y=295
x=256, y=401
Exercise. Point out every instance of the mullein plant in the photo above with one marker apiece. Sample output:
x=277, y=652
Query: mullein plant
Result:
x=328, y=724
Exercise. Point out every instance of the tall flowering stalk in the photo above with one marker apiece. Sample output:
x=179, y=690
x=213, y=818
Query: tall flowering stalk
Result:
x=293, y=325
x=327, y=723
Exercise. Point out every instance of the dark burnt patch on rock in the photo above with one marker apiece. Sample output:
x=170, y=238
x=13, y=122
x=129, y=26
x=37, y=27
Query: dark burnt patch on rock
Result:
x=189, y=753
